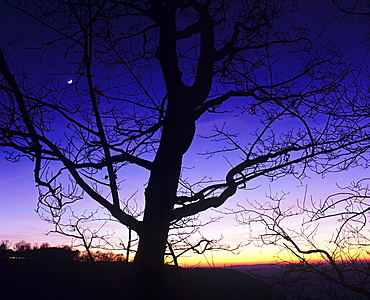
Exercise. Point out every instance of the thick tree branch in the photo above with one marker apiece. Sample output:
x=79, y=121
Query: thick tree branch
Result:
x=199, y=202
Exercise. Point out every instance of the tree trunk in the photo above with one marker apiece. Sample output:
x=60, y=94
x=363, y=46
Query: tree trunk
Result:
x=148, y=262
x=177, y=135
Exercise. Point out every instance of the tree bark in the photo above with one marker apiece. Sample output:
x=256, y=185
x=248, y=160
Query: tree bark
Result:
x=177, y=135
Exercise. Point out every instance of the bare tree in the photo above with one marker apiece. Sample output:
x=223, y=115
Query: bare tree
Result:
x=353, y=9
x=22, y=246
x=330, y=268
x=5, y=245
x=146, y=73
x=338, y=266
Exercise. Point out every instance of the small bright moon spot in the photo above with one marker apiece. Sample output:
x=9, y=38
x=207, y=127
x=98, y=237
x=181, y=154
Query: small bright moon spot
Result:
x=70, y=81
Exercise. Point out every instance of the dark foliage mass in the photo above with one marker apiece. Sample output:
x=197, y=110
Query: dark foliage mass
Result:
x=24, y=250
x=54, y=253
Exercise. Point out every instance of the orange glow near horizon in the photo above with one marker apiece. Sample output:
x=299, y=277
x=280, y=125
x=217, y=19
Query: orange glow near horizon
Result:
x=254, y=256
x=249, y=256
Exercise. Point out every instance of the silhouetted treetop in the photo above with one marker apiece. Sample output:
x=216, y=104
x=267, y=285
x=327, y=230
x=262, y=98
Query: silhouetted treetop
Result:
x=25, y=250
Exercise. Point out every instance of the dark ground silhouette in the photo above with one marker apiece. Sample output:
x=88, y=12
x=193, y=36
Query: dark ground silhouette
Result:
x=297, y=281
x=34, y=279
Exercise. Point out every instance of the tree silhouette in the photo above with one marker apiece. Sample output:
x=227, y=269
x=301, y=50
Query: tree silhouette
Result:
x=146, y=74
x=5, y=245
x=318, y=268
x=5, y=249
x=25, y=250
x=22, y=246
x=336, y=267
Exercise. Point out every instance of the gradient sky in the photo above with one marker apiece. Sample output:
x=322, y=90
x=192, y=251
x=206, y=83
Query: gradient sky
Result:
x=18, y=195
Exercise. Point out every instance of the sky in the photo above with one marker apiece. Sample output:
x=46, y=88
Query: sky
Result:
x=18, y=194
